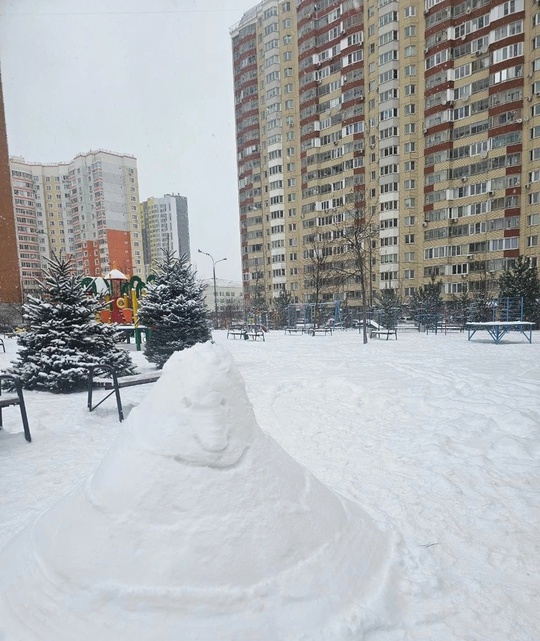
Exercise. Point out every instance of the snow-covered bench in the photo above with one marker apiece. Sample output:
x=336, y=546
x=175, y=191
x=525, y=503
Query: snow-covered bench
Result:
x=383, y=331
x=320, y=330
x=14, y=399
x=115, y=383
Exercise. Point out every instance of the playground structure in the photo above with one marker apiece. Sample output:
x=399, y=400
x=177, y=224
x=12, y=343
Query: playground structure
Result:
x=313, y=314
x=444, y=317
x=120, y=294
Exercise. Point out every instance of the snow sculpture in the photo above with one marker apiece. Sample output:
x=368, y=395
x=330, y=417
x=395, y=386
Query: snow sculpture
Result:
x=196, y=525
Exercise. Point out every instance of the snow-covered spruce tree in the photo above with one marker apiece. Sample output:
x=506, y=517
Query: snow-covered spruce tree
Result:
x=63, y=335
x=521, y=280
x=174, y=310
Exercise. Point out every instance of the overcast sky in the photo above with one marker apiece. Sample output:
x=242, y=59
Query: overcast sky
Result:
x=151, y=78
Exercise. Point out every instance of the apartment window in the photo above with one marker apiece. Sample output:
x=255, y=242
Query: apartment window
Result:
x=410, y=203
x=288, y=72
x=409, y=147
x=290, y=151
x=286, y=6
x=409, y=257
x=410, y=128
x=287, y=23
x=410, y=50
x=410, y=31
x=410, y=109
x=410, y=90
x=409, y=239
x=410, y=70
x=533, y=219
x=410, y=11
x=288, y=88
x=289, y=104
x=408, y=274
x=532, y=241
x=287, y=56
x=410, y=183
x=287, y=40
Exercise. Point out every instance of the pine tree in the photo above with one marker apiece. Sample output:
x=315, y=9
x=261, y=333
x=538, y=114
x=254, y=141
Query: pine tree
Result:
x=63, y=335
x=174, y=310
x=426, y=303
x=389, y=306
x=521, y=280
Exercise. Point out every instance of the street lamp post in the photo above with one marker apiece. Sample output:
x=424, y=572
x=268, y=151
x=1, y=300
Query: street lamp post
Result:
x=214, y=263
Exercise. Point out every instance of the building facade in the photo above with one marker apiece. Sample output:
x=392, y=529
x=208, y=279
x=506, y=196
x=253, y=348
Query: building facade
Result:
x=228, y=296
x=87, y=209
x=10, y=281
x=165, y=225
x=417, y=121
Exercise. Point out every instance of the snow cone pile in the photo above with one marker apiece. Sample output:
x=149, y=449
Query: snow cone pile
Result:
x=196, y=525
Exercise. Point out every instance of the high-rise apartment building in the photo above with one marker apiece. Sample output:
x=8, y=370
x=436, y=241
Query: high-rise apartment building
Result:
x=165, y=225
x=10, y=281
x=420, y=120
x=86, y=208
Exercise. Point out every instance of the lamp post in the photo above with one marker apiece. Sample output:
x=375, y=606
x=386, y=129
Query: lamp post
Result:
x=214, y=263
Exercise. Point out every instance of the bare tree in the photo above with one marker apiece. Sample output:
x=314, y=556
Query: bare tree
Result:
x=319, y=276
x=358, y=233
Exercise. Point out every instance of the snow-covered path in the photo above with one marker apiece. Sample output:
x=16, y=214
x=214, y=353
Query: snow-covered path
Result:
x=438, y=438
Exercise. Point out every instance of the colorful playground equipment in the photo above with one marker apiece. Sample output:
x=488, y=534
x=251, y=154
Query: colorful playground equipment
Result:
x=121, y=295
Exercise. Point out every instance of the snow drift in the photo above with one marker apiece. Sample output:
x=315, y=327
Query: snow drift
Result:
x=196, y=525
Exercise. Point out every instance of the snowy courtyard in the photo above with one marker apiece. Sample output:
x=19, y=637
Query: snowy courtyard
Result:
x=435, y=437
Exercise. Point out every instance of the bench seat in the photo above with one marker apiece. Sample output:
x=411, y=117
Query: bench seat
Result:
x=377, y=333
x=115, y=383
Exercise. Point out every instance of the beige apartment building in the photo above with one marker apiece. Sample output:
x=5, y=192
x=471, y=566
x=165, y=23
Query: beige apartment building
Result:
x=418, y=122
x=87, y=208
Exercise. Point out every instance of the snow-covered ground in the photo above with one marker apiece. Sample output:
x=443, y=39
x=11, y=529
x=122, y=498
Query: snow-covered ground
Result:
x=437, y=438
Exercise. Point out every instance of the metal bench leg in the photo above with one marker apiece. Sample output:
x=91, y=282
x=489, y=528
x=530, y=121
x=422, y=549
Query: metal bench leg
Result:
x=24, y=416
x=118, y=398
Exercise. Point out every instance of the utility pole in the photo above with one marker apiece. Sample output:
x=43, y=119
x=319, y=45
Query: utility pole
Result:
x=214, y=263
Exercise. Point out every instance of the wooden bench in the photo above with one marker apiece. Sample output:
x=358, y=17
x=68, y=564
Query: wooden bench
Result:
x=294, y=330
x=14, y=399
x=246, y=333
x=255, y=334
x=377, y=333
x=320, y=330
x=115, y=384
x=237, y=332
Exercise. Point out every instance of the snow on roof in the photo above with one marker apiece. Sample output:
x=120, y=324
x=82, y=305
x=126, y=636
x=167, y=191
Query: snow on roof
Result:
x=196, y=521
x=115, y=274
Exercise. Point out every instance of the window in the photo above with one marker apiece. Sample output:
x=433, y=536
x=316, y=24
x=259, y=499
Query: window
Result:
x=410, y=70
x=409, y=147
x=410, y=90
x=410, y=50
x=410, y=183
x=288, y=88
x=410, y=31
x=409, y=257
x=532, y=241
x=410, y=128
x=410, y=109
x=409, y=239
x=408, y=274
x=410, y=11
x=410, y=203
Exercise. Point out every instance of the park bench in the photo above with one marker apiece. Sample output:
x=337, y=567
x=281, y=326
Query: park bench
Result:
x=295, y=330
x=245, y=333
x=236, y=332
x=320, y=330
x=14, y=399
x=115, y=383
x=383, y=331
